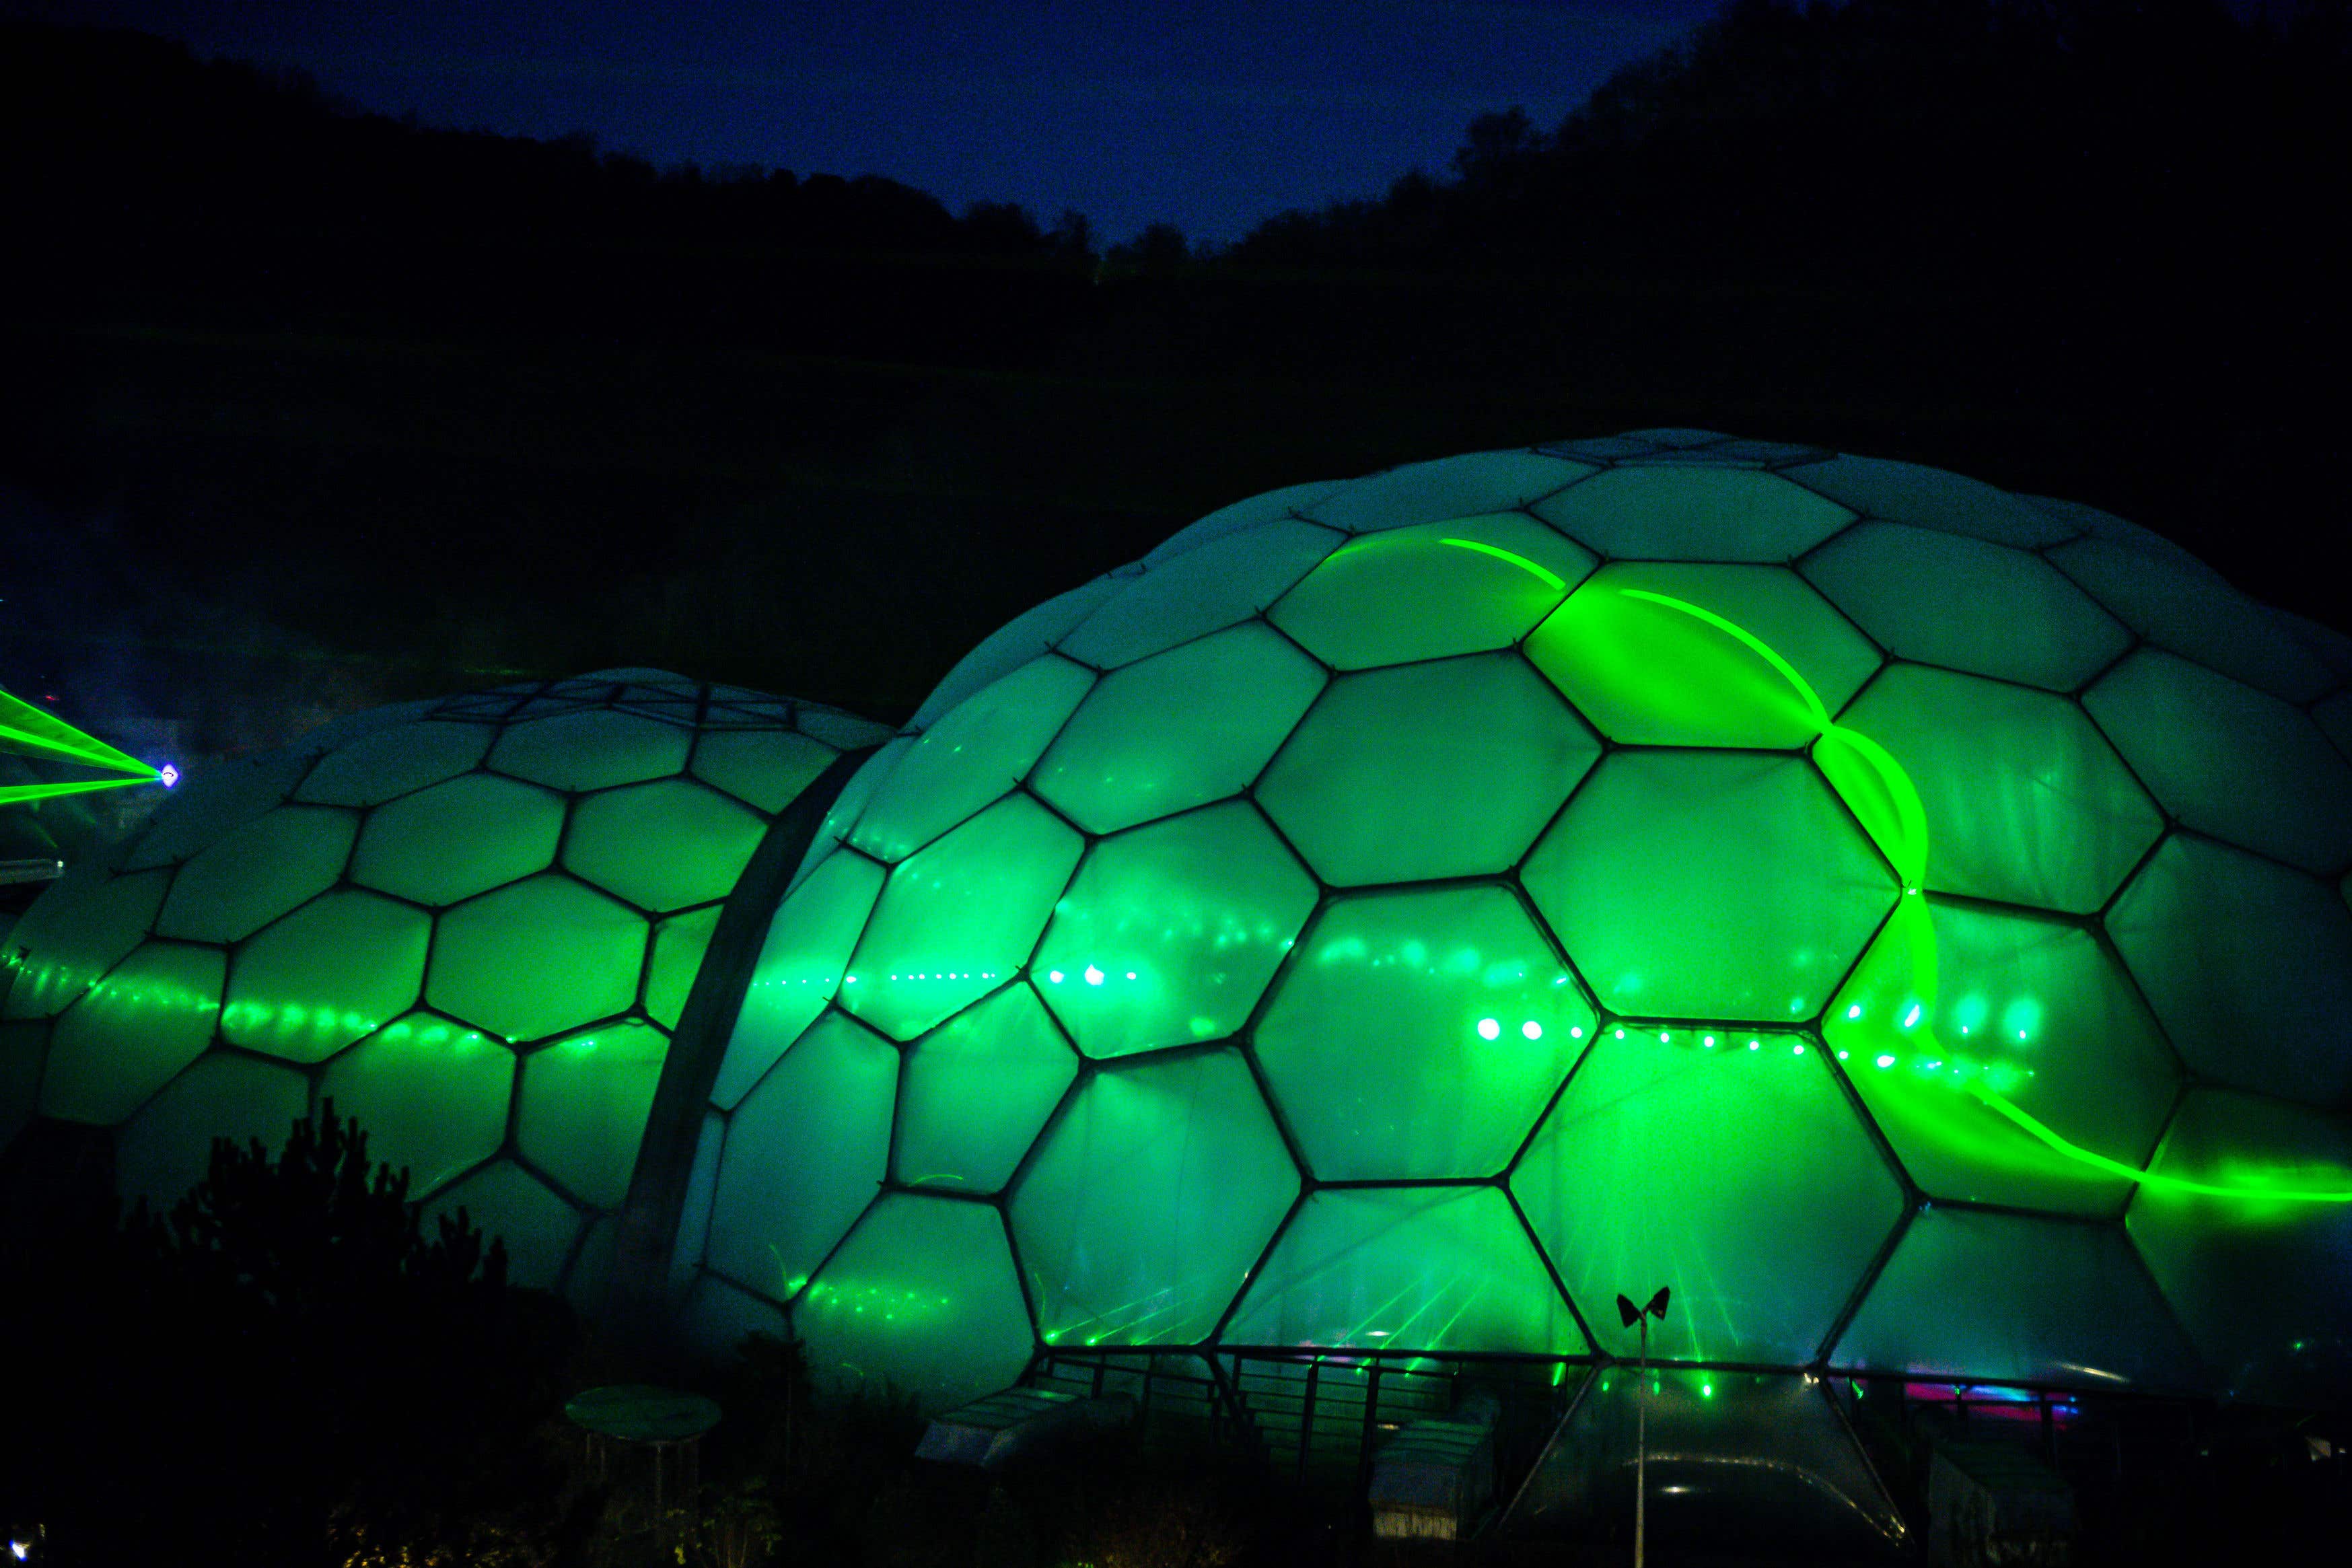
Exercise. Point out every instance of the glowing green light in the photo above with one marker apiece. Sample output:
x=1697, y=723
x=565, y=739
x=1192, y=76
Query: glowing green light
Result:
x=1531, y=1030
x=1549, y=579
x=1489, y=1029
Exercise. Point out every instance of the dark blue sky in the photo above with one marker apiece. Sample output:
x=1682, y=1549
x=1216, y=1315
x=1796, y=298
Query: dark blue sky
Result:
x=1211, y=115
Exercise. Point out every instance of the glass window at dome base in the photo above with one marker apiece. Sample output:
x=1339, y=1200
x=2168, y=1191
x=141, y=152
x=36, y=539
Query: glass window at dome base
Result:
x=978, y=1090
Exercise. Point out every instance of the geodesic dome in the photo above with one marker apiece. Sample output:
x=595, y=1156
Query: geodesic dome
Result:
x=472, y=922
x=1908, y=918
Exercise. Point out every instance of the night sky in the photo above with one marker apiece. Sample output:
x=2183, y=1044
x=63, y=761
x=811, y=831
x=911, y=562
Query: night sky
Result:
x=1211, y=114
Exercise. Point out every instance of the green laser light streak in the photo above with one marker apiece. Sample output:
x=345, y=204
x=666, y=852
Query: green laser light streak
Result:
x=26, y=728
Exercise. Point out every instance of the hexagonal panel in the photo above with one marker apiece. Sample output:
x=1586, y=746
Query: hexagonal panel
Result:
x=1467, y=584
x=584, y=1106
x=2181, y=609
x=2264, y=1287
x=2026, y=802
x=511, y=1205
x=430, y=1094
x=1926, y=595
x=248, y=878
x=661, y=845
x=1952, y=1000
x=1653, y=673
x=922, y=1296
x=2248, y=965
x=1683, y=513
x=1734, y=1173
x=1932, y=498
x=2228, y=760
x=1709, y=885
x=766, y=768
x=1419, y=1033
x=536, y=958
x=133, y=1032
x=377, y=767
x=978, y=751
x=806, y=1150
x=1444, y=769
x=334, y=970
x=680, y=943
x=591, y=750
x=1220, y=582
x=1180, y=728
x=1433, y=1267
x=1149, y=1201
x=1447, y=486
x=452, y=840
x=1171, y=930
x=958, y=919
x=801, y=968
x=978, y=1090
x=167, y=1147
x=83, y=926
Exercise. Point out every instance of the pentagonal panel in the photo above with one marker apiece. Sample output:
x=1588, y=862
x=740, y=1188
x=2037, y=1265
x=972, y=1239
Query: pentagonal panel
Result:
x=516, y=1208
x=1148, y=1200
x=1256, y=511
x=1449, y=487
x=2248, y=965
x=977, y=752
x=83, y=926
x=767, y=768
x=801, y=969
x=1207, y=589
x=1709, y=884
x=133, y=1032
x=1180, y=728
x=338, y=968
x=978, y=1090
x=1435, y=1269
x=957, y=919
x=1726, y=1166
x=922, y=1297
x=1171, y=930
x=242, y=881
x=1971, y=1295
x=455, y=839
x=2181, y=609
x=166, y=1148
x=430, y=1094
x=2026, y=802
x=1419, y=1034
x=2228, y=760
x=1444, y=769
x=661, y=845
x=1956, y=1011
x=806, y=1151
x=1931, y=497
x=679, y=945
x=536, y=958
x=593, y=750
x=392, y=762
x=584, y=1106
x=1685, y=513
x=1927, y=595
x=1644, y=652
x=2261, y=1280
x=1463, y=585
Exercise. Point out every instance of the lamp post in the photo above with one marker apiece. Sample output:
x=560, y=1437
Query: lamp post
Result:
x=1631, y=1314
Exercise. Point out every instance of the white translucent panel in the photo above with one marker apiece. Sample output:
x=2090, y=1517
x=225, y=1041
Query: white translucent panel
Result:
x=376, y=767
x=1149, y=1201
x=83, y=926
x=842, y=730
x=679, y=945
x=539, y=957
x=591, y=750
x=799, y=970
x=1012, y=644
x=1945, y=598
x=583, y=1105
x=1419, y=1035
x=978, y=1088
x=1180, y=728
x=2333, y=647
x=131, y=1033
x=210, y=801
x=766, y=768
x=431, y=1095
x=1679, y=514
x=2335, y=719
x=972, y=755
x=1463, y=585
x=1257, y=511
x=338, y=967
x=806, y=1151
x=166, y=1148
x=850, y=805
x=701, y=1189
x=452, y=840
x=2182, y=610
x=1445, y=488
x=662, y=846
x=1169, y=931
x=1931, y=497
x=2228, y=760
x=2248, y=965
x=958, y=919
x=253, y=874
x=1440, y=1268
x=512, y=1206
x=1207, y=589
x=2097, y=525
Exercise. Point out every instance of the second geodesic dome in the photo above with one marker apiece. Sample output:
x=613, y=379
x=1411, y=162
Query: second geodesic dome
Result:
x=1908, y=918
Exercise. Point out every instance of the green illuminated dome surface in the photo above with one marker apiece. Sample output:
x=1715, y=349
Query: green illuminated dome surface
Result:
x=472, y=922
x=1906, y=917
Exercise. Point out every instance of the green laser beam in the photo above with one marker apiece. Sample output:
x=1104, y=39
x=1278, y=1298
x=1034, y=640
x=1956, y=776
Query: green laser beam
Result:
x=22, y=725
x=11, y=795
